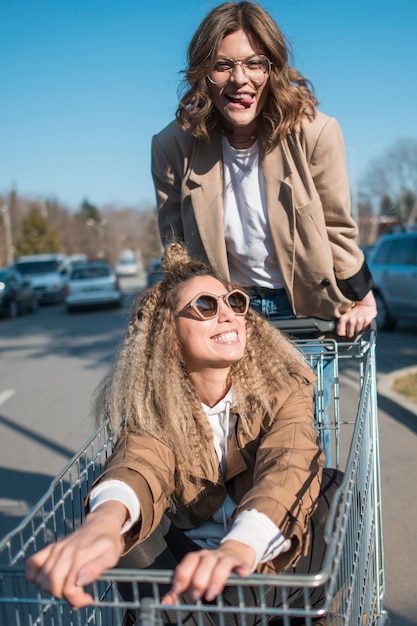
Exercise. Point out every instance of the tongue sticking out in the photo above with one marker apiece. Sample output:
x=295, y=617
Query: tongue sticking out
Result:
x=245, y=100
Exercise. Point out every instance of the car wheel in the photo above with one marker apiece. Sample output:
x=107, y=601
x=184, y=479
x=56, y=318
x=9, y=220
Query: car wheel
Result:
x=384, y=321
x=13, y=309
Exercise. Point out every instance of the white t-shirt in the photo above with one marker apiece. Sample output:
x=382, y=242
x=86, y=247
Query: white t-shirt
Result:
x=250, y=248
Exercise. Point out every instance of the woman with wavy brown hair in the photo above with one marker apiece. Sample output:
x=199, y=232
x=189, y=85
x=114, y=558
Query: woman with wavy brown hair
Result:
x=217, y=467
x=289, y=96
x=252, y=176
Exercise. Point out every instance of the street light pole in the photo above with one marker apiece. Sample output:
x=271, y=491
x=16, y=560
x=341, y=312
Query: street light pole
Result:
x=99, y=228
x=4, y=210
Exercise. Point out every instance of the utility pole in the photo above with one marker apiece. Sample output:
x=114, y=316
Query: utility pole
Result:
x=4, y=210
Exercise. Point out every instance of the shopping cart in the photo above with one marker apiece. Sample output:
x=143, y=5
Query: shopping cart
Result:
x=351, y=579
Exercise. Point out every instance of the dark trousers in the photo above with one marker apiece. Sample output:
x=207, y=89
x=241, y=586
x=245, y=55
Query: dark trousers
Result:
x=165, y=548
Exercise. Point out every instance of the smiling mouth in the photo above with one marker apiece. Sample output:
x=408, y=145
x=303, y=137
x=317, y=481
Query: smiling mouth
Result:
x=225, y=337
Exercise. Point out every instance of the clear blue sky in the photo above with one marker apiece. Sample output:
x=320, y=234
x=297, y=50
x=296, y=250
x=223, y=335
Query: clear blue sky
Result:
x=86, y=83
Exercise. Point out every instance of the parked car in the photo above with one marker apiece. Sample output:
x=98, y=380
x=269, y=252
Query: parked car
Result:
x=127, y=267
x=393, y=264
x=47, y=274
x=17, y=295
x=91, y=285
x=72, y=260
x=154, y=272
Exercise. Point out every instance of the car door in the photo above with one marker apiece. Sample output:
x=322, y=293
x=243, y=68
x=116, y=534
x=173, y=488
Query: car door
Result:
x=13, y=287
x=399, y=277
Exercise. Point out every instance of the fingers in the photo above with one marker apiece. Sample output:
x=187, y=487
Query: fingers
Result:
x=35, y=562
x=54, y=570
x=358, y=318
x=205, y=572
x=63, y=568
x=354, y=322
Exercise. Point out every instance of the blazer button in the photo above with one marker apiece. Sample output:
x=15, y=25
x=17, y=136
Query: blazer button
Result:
x=325, y=282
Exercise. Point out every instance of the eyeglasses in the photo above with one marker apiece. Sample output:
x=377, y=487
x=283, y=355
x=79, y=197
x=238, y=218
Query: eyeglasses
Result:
x=256, y=68
x=206, y=305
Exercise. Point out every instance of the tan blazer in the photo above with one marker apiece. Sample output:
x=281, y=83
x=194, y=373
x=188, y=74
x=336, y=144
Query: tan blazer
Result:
x=308, y=204
x=277, y=471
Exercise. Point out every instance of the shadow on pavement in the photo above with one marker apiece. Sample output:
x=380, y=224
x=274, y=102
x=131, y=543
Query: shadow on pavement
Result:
x=397, y=412
x=30, y=487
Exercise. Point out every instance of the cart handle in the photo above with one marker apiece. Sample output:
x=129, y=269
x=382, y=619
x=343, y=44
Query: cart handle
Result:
x=302, y=325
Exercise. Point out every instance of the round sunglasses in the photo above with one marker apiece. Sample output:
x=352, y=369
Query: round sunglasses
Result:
x=206, y=305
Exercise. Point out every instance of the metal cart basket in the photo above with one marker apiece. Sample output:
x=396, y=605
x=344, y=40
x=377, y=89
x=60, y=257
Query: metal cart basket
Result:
x=351, y=579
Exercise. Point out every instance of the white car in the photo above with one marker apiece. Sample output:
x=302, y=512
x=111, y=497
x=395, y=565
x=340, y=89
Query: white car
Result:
x=47, y=274
x=92, y=285
x=127, y=267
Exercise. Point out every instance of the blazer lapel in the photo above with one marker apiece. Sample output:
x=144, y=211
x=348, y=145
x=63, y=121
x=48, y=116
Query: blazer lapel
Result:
x=281, y=213
x=206, y=188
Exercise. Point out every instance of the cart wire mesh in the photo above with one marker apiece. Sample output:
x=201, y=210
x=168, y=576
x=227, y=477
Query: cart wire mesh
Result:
x=351, y=580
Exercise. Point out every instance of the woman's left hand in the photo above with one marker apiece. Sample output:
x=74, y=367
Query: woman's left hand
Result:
x=358, y=318
x=205, y=572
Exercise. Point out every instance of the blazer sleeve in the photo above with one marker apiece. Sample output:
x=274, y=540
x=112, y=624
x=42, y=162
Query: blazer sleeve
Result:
x=288, y=469
x=327, y=164
x=147, y=466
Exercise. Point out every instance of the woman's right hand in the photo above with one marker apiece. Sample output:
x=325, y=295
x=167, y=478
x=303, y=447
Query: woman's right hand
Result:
x=205, y=572
x=63, y=568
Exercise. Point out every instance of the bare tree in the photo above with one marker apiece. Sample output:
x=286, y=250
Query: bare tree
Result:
x=390, y=184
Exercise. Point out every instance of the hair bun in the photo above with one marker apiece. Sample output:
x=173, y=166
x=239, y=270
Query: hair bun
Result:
x=174, y=256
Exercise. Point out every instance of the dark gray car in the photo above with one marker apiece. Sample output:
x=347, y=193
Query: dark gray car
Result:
x=393, y=263
x=17, y=295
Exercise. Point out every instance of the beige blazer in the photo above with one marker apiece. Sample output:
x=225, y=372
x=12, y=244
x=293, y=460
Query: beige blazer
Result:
x=308, y=205
x=276, y=471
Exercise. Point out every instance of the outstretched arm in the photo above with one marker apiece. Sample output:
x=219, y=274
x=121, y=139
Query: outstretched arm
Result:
x=63, y=568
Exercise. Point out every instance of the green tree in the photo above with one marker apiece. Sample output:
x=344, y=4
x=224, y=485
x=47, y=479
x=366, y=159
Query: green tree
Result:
x=89, y=212
x=37, y=235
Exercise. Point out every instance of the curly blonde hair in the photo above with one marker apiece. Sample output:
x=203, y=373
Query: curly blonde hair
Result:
x=290, y=96
x=149, y=391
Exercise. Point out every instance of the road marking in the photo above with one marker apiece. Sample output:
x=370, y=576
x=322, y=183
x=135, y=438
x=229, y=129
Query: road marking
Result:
x=5, y=395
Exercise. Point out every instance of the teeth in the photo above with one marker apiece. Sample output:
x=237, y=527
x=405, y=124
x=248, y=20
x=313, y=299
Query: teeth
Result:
x=240, y=96
x=232, y=336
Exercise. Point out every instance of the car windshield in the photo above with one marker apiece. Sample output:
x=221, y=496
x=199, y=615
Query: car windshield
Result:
x=86, y=273
x=37, y=267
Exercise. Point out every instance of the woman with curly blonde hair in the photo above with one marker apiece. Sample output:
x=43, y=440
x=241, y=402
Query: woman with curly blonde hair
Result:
x=217, y=467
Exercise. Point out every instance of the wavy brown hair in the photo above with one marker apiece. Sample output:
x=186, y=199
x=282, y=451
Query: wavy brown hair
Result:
x=149, y=391
x=290, y=96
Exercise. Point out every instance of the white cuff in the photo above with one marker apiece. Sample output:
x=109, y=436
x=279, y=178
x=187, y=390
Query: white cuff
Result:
x=121, y=492
x=258, y=531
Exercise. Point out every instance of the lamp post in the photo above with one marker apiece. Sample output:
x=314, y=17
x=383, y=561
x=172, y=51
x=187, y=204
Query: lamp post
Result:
x=99, y=227
x=4, y=210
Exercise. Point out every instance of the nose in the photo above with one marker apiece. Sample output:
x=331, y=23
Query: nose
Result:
x=237, y=72
x=225, y=312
